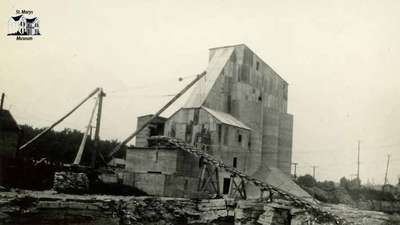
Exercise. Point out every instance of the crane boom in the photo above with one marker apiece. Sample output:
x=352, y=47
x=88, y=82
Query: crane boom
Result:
x=123, y=143
x=60, y=120
x=78, y=156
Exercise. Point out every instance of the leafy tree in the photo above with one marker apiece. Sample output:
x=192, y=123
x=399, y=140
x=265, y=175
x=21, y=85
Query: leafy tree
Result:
x=344, y=182
x=350, y=184
x=62, y=146
x=326, y=185
x=306, y=180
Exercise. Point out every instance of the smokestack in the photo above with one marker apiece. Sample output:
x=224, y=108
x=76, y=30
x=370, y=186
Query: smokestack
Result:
x=2, y=101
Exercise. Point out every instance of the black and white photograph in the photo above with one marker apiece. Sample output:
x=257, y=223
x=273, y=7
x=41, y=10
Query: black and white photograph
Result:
x=220, y=112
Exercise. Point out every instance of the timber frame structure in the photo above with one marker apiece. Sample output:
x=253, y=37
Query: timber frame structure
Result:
x=311, y=207
x=208, y=177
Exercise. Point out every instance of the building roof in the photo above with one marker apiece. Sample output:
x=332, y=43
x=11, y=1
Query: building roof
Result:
x=217, y=63
x=16, y=18
x=30, y=20
x=279, y=179
x=228, y=46
x=7, y=122
x=226, y=118
x=205, y=84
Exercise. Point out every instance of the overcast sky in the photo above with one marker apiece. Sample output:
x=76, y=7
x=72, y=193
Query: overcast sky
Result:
x=340, y=58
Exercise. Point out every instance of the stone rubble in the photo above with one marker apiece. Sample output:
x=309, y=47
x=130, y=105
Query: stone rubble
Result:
x=50, y=208
x=69, y=182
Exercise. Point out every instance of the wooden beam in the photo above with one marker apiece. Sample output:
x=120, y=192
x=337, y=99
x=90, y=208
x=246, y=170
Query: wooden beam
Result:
x=60, y=120
x=78, y=156
x=124, y=142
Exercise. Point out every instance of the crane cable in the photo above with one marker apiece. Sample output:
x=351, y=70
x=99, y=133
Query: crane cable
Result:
x=58, y=121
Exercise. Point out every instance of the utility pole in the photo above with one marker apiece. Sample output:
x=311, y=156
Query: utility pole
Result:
x=387, y=168
x=2, y=100
x=295, y=166
x=97, y=129
x=358, y=164
x=313, y=171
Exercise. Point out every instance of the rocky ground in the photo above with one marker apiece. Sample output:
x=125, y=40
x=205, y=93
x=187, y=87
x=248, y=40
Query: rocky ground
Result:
x=363, y=217
x=50, y=208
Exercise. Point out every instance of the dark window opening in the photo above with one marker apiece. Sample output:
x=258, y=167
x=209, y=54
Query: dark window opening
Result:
x=229, y=106
x=257, y=65
x=156, y=156
x=234, y=162
x=226, y=130
x=225, y=186
x=244, y=74
x=260, y=98
x=196, y=116
x=239, y=138
x=219, y=128
x=156, y=129
x=249, y=144
x=157, y=172
x=285, y=92
x=120, y=165
x=173, y=130
x=185, y=185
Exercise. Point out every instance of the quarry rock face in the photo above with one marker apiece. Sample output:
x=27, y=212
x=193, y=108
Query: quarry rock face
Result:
x=49, y=208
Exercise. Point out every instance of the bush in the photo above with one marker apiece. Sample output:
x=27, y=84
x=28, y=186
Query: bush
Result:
x=306, y=180
x=326, y=185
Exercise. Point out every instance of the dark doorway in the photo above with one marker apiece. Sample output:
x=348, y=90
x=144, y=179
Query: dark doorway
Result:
x=225, y=187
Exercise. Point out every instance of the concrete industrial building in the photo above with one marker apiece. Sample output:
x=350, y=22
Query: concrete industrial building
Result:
x=237, y=113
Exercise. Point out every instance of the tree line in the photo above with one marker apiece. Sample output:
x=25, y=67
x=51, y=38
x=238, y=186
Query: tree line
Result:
x=347, y=191
x=62, y=146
